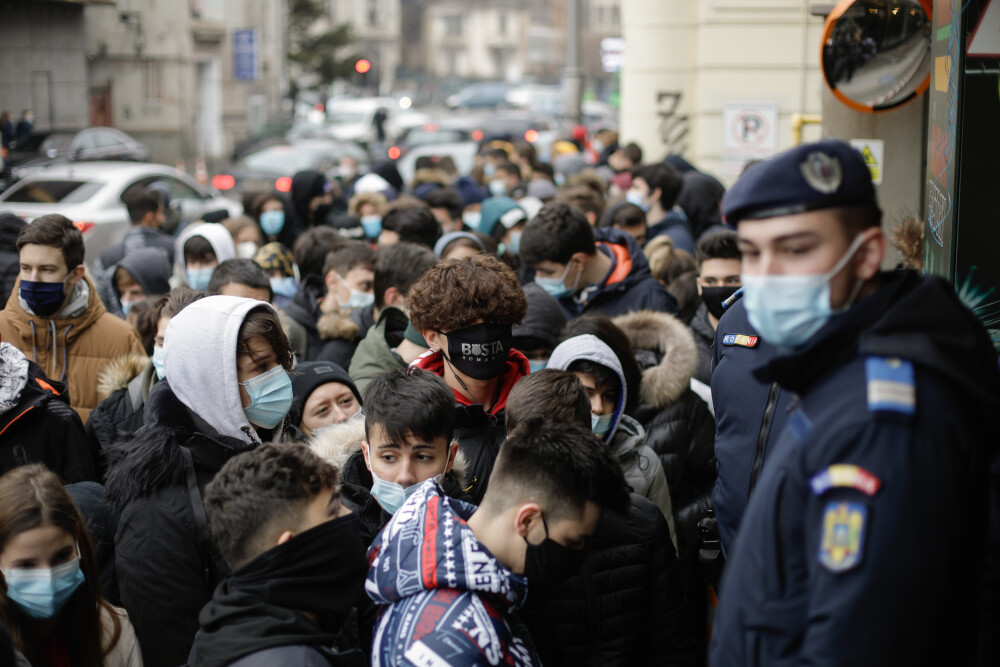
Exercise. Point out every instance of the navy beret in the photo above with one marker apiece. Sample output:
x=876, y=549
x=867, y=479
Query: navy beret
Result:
x=809, y=177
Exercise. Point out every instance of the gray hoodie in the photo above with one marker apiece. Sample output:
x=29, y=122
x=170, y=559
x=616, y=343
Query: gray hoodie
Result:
x=626, y=437
x=203, y=379
x=217, y=235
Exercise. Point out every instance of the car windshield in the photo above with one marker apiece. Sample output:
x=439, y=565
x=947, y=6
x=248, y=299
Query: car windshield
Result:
x=422, y=137
x=283, y=159
x=56, y=141
x=52, y=192
x=346, y=117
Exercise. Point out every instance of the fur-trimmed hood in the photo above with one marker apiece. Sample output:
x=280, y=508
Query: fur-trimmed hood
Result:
x=337, y=443
x=119, y=372
x=674, y=347
x=337, y=324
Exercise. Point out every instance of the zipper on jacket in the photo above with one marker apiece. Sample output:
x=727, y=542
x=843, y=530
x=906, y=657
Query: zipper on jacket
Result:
x=765, y=427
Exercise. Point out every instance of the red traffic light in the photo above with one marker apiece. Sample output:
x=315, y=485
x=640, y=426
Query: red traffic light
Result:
x=362, y=66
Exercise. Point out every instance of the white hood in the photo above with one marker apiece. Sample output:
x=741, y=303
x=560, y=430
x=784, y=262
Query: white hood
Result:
x=215, y=234
x=200, y=358
x=593, y=349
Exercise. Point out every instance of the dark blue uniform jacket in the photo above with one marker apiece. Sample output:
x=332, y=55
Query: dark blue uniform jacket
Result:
x=749, y=415
x=864, y=540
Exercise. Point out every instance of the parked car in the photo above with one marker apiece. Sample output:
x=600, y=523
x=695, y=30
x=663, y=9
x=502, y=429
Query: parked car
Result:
x=271, y=133
x=272, y=168
x=90, y=194
x=462, y=153
x=482, y=95
x=43, y=148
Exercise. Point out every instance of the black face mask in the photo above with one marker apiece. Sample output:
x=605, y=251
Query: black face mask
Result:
x=480, y=351
x=714, y=296
x=321, y=570
x=550, y=563
x=320, y=213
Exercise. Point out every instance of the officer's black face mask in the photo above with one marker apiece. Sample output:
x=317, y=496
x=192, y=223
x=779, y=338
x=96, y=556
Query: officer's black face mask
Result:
x=550, y=563
x=480, y=351
x=714, y=296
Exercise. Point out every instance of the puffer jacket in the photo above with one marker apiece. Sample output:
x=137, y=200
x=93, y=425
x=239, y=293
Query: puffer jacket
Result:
x=643, y=470
x=71, y=349
x=624, y=606
x=123, y=385
x=679, y=426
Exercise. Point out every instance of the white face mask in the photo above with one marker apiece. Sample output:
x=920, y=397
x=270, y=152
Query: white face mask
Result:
x=358, y=299
x=246, y=249
x=788, y=310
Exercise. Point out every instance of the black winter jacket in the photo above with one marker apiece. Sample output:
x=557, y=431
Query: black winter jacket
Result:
x=624, y=606
x=42, y=428
x=679, y=426
x=126, y=382
x=167, y=568
x=704, y=339
x=10, y=266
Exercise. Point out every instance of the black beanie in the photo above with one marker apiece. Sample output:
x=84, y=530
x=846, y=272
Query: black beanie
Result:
x=311, y=374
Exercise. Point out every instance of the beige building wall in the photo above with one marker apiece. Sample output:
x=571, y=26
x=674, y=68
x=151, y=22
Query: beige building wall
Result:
x=377, y=26
x=685, y=60
x=476, y=41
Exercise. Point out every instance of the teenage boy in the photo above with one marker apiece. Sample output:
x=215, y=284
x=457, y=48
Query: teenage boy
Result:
x=298, y=564
x=718, y=258
x=600, y=372
x=320, y=311
x=391, y=342
x=142, y=274
x=625, y=606
x=57, y=317
x=654, y=189
x=240, y=277
x=465, y=310
x=202, y=248
x=589, y=270
x=409, y=431
x=892, y=433
x=451, y=575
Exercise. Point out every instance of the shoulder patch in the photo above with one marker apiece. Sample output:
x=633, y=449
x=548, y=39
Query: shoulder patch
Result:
x=845, y=475
x=891, y=385
x=842, y=545
x=743, y=340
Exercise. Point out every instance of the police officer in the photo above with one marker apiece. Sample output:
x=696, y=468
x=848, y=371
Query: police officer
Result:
x=863, y=540
x=750, y=413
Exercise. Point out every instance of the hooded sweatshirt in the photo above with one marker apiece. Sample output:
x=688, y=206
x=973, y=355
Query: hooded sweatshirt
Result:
x=448, y=599
x=150, y=267
x=306, y=186
x=626, y=437
x=217, y=235
x=628, y=285
x=167, y=566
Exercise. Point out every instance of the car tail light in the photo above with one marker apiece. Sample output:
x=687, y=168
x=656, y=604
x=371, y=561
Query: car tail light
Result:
x=223, y=182
x=477, y=135
x=283, y=184
x=84, y=227
x=394, y=153
x=430, y=127
x=531, y=136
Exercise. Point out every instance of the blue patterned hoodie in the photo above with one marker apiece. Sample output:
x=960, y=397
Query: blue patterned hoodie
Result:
x=449, y=600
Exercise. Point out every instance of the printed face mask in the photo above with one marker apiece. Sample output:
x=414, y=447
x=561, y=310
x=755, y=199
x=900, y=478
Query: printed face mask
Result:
x=714, y=296
x=270, y=397
x=480, y=351
x=788, y=310
x=272, y=222
x=43, y=592
x=550, y=562
x=44, y=299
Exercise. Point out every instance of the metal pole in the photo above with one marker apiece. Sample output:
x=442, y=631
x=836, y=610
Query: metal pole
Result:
x=572, y=74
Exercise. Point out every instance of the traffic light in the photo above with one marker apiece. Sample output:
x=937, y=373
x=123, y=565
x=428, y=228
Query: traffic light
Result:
x=362, y=66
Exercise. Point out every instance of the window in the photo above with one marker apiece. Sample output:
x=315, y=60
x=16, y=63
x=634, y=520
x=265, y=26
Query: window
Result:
x=52, y=192
x=503, y=23
x=178, y=188
x=453, y=25
x=373, y=13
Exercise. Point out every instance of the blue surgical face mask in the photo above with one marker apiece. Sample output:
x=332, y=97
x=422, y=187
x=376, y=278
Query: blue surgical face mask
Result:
x=372, y=225
x=272, y=222
x=199, y=278
x=358, y=299
x=788, y=309
x=514, y=243
x=601, y=424
x=390, y=495
x=43, y=592
x=498, y=188
x=158, y=362
x=471, y=219
x=270, y=397
x=286, y=287
x=557, y=286
x=635, y=197
x=126, y=306
x=489, y=168
x=44, y=299
x=538, y=364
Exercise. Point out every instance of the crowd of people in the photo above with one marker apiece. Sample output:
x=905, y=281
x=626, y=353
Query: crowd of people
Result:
x=597, y=411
